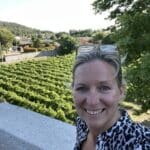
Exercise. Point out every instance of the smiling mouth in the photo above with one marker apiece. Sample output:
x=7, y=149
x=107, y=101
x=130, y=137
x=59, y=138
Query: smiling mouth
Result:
x=94, y=112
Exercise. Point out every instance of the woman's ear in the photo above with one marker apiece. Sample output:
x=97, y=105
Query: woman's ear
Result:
x=72, y=88
x=122, y=92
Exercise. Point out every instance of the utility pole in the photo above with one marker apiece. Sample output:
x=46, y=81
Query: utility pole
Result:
x=1, y=52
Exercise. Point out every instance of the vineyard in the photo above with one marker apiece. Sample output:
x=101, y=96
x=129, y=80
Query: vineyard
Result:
x=40, y=85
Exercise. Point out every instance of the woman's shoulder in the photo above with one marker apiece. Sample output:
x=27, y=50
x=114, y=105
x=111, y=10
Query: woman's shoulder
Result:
x=128, y=134
x=138, y=130
x=131, y=127
x=136, y=133
x=82, y=132
x=140, y=135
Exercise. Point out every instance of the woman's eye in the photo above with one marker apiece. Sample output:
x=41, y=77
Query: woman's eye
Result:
x=104, y=88
x=81, y=89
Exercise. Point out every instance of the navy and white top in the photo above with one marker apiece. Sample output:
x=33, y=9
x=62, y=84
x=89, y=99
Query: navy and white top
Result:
x=123, y=135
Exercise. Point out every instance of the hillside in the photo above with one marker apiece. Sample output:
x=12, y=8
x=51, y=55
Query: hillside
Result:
x=21, y=30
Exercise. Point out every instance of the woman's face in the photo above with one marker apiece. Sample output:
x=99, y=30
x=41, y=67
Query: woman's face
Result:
x=96, y=94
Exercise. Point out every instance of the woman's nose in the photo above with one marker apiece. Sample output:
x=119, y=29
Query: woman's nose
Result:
x=93, y=98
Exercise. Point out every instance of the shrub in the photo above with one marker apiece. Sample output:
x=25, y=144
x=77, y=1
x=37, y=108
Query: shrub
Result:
x=67, y=44
x=108, y=40
x=97, y=37
x=139, y=81
x=30, y=49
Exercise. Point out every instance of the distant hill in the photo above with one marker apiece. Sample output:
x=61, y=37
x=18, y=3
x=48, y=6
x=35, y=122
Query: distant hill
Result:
x=21, y=30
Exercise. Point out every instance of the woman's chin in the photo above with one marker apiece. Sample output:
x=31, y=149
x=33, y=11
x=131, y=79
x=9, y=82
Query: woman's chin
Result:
x=95, y=124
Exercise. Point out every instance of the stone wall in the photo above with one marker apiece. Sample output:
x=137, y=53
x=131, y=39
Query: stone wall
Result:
x=23, y=56
x=22, y=129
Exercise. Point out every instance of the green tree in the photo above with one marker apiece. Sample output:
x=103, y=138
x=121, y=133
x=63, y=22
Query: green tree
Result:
x=81, y=33
x=97, y=37
x=6, y=40
x=37, y=42
x=60, y=34
x=119, y=7
x=108, y=39
x=53, y=37
x=132, y=35
x=138, y=81
x=67, y=44
x=6, y=37
x=131, y=31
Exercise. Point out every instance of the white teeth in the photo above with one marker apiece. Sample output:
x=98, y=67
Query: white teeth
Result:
x=94, y=112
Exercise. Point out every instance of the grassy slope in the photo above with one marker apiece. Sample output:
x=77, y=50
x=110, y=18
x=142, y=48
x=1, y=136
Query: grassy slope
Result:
x=134, y=111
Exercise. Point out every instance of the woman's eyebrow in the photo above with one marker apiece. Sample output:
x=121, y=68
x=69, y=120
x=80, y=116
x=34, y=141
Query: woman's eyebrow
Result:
x=105, y=82
x=80, y=84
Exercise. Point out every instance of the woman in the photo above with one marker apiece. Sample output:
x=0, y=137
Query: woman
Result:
x=97, y=89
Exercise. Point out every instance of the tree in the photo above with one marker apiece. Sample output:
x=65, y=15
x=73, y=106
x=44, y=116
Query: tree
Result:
x=138, y=81
x=81, y=33
x=53, y=37
x=119, y=7
x=60, y=34
x=97, y=36
x=67, y=44
x=37, y=42
x=6, y=37
x=131, y=31
x=132, y=35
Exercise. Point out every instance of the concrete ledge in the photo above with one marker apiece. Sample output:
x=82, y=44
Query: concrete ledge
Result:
x=29, y=55
x=10, y=142
x=21, y=129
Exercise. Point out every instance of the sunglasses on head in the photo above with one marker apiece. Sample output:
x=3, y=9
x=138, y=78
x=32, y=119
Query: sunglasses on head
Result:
x=105, y=48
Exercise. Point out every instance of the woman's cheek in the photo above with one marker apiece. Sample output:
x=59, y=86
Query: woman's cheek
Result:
x=108, y=100
x=78, y=98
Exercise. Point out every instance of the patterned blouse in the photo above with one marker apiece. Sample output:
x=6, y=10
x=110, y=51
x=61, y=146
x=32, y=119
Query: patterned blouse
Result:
x=123, y=135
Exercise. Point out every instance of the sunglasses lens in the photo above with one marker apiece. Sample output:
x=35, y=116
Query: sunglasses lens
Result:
x=105, y=48
x=108, y=48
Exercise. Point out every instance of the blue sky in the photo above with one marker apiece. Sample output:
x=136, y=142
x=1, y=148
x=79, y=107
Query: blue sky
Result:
x=53, y=15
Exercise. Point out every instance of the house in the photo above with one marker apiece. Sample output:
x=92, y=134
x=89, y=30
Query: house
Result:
x=84, y=40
